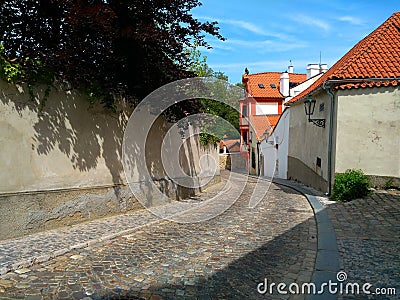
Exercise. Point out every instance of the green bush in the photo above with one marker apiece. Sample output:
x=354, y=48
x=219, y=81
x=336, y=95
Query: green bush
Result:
x=350, y=185
x=388, y=184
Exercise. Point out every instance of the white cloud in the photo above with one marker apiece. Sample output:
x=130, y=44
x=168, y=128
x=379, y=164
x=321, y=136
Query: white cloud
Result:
x=351, y=20
x=245, y=25
x=242, y=24
x=217, y=45
x=303, y=19
x=264, y=46
x=249, y=27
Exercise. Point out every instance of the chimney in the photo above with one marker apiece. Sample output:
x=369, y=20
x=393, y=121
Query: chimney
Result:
x=290, y=68
x=323, y=68
x=312, y=70
x=284, y=84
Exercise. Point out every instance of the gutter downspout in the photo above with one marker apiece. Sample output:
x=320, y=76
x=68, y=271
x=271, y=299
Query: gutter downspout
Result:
x=327, y=88
x=258, y=159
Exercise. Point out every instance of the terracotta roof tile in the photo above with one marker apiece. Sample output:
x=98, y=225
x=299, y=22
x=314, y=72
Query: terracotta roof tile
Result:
x=375, y=56
x=273, y=119
x=262, y=123
x=231, y=145
x=252, y=82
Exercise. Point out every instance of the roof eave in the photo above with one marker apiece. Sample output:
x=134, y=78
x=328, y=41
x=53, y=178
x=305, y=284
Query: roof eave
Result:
x=314, y=91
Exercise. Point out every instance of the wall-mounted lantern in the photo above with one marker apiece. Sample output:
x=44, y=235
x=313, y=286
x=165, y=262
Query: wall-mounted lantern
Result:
x=309, y=106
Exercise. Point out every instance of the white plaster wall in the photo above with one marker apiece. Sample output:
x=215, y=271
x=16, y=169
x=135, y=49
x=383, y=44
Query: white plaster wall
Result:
x=306, y=140
x=267, y=108
x=275, y=160
x=66, y=145
x=301, y=87
x=69, y=145
x=368, y=131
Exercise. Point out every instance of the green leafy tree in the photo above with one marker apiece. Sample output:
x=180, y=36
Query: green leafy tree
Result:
x=220, y=89
x=105, y=47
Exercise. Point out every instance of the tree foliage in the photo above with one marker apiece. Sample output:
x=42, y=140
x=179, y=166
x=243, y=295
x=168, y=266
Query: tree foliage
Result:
x=125, y=47
x=216, y=107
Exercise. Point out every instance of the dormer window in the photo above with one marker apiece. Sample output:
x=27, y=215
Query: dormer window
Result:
x=261, y=86
x=273, y=85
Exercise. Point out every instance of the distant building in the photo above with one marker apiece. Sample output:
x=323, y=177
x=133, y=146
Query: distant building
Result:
x=261, y=108
x=274, y=147
x=229, y=146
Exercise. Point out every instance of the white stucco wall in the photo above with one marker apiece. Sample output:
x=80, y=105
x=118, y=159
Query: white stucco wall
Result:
x=68, y=145
x=275, y=160
x=64, y=146
x=267, y=108
x=308, y=141
x=302, y=86
x=368, y=131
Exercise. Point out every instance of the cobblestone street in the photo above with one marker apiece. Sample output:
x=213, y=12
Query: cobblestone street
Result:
x=368, y=237
x=138, y=256
x=223, y=258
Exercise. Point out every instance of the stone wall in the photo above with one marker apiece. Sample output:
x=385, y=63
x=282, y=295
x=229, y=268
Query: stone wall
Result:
x=234, y=162
x=224, y=162
x=299, y=171
x=62, y=164
x=26, y=213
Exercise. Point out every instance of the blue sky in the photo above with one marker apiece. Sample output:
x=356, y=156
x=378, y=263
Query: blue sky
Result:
x=263, y=35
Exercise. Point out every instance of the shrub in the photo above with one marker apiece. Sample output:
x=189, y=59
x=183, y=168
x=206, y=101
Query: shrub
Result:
x=350, y=185
x=388, y=184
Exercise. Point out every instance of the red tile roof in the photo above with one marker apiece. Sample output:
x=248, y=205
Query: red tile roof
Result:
x=262, y=123
x=267, y=78
x=375, y=56
x=231, y=145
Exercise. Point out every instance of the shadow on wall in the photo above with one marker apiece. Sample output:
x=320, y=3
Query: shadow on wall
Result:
x=66, y=140
x=72, y=145
x=75, y=151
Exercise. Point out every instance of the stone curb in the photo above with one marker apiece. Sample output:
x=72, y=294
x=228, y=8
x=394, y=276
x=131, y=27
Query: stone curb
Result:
x=327, y=260
x=28, y=262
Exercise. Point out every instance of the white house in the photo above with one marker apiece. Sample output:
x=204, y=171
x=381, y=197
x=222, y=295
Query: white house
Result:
x=354, y=122
x=274, y=149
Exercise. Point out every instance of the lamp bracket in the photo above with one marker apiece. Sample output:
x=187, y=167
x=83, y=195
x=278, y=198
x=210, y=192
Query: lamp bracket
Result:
x=318, y=122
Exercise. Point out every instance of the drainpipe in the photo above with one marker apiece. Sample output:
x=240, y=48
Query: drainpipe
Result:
x=327, y=88
x=258, y=158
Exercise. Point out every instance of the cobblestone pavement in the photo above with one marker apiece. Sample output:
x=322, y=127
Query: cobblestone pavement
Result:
x=368, y=236
x=223, y=258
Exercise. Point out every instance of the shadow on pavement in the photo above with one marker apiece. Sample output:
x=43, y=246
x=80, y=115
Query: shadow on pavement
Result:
x=283, y=259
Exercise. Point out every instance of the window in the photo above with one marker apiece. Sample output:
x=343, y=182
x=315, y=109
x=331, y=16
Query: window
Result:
x=253, y=158
x=321, y=107
x=244, y=137
x=267, y=108
x=319, y=162
x=273, y=85
x=261, y=86
x=244, y=110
